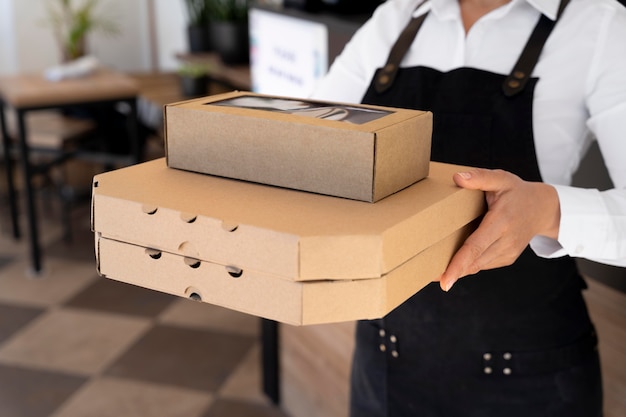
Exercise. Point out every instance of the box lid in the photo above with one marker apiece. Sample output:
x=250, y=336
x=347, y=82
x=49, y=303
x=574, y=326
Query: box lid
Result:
x=294, y=234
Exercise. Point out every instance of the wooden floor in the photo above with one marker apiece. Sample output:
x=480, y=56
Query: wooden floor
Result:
x=608, y=311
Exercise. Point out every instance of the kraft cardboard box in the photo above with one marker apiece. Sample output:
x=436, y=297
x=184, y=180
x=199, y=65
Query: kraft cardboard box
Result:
x=272, y=297
x=295, y=235
x=353, y=151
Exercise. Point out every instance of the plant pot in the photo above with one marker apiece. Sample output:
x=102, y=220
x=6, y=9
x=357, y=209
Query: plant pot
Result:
x=71, y=51
x=194, y=86
x=198, y=37
x=230, y=40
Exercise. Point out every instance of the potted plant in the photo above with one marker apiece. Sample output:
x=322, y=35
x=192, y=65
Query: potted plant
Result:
x=71, y=23
x=229, y=30
x=194, y=79
x=198, y=25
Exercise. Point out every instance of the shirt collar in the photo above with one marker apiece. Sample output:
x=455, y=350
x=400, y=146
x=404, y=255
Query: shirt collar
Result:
x=450, y=8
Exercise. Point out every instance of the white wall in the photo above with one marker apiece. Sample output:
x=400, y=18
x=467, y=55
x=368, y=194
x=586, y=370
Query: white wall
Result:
x=27, y=44
x=34, y=44
x=7, y=38
x=130, y=50
x=171, y=22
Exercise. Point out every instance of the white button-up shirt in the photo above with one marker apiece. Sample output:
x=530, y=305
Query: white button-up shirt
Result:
x=580, y=96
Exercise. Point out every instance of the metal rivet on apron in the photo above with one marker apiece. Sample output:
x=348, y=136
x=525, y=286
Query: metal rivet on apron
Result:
x=514, y=84
x=393, y=339
x=382, y=333
x=390, y=67
x=382, y=347
x=395, y=354
x=488, y=370
x=507, y=356
x=519, y=74
x=487, y=356
x=507, y=371
x=384, y=79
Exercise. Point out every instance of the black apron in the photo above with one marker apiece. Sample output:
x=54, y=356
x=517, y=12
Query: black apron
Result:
x=513, y=341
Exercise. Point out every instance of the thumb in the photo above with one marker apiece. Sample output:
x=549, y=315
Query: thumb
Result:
x=482, y=179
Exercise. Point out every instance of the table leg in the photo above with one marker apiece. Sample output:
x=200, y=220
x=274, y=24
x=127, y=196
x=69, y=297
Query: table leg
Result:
x=270, y=359
x=27, y=170
x=8, y=162
x=133, y=131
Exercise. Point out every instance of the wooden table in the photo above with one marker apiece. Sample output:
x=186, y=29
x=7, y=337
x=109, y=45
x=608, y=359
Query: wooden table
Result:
x=31, y=92
x=234, y=77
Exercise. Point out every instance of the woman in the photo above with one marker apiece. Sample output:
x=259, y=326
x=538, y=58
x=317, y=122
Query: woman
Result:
x=518, y=88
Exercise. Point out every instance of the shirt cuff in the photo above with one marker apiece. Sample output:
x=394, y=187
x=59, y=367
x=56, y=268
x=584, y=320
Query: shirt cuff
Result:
x=546, y=247
x=585, y=223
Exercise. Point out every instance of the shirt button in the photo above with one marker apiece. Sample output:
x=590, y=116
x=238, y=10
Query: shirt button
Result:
x=487, y=356
x=382, y=333
x=488, y=370
x=507, y=371
x=382, y=348
x=507, y=356
x=393, y=339
x=395, y=353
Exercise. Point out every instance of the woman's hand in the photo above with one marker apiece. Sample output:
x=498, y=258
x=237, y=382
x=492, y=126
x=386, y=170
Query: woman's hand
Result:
x=517, y=211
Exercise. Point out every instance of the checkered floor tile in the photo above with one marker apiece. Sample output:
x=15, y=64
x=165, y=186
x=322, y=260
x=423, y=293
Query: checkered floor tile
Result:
x=73, y=344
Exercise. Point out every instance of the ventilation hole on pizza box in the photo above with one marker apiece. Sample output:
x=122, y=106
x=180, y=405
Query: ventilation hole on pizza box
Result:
x=229, y=227
x=234, y=271
x=95, y=184
x=193, y=263
x=188, y=249
x=188, y=218
x=150, y=210
x=193, y=294
x=153, y=253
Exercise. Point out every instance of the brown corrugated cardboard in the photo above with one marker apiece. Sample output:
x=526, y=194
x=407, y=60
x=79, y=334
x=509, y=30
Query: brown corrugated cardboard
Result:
x=313, y=146
x=272, y=297
x=291, y=234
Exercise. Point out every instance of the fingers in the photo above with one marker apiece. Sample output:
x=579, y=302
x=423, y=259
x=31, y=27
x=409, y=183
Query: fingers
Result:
x=517, y=210
x=472, y=258
x=462, y=264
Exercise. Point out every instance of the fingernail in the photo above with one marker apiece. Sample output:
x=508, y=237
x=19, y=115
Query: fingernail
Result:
x=449, y=285
x=465, y=175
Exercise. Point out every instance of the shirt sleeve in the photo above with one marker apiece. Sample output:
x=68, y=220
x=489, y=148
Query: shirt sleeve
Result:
x=593, y=223
x=593, y=226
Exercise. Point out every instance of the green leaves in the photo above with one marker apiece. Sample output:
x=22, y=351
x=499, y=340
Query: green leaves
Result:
x=197, y=12
x=201, y=12
x=229, y=10
x=72, y=21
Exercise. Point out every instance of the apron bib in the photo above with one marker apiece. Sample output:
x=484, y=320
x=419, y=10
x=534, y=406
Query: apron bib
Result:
x=513, y=341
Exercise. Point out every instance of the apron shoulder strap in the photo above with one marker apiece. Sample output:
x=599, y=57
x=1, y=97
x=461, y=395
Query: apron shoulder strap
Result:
x=516, y=80
x=386, y=76
x=513, y=83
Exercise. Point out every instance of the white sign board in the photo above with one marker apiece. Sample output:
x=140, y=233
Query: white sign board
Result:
x=287, y=55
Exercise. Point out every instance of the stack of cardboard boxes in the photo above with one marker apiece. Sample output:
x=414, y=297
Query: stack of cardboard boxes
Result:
x=298, y=211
